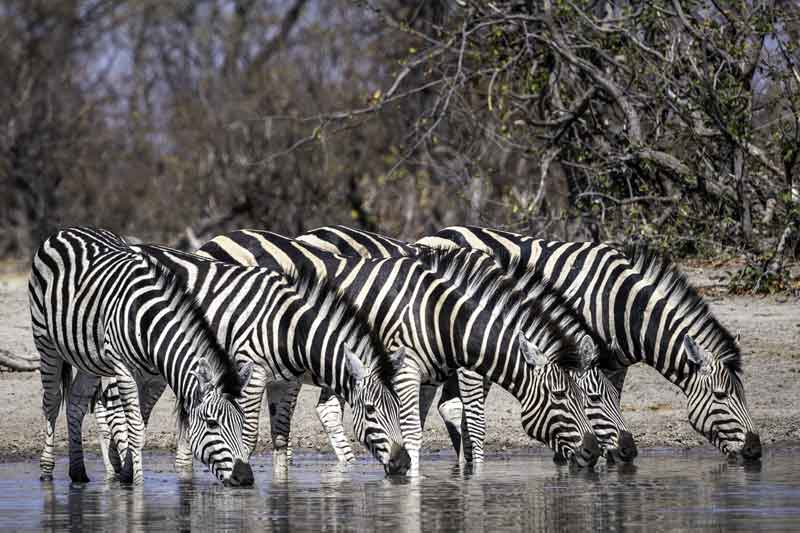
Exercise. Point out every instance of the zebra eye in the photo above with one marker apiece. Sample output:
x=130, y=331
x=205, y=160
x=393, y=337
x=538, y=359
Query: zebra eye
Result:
x=595, y=397
x=212, y=424
x=370, y=409
x=720, y=395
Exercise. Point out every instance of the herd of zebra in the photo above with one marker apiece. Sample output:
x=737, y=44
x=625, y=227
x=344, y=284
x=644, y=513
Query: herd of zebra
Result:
x=377, y=323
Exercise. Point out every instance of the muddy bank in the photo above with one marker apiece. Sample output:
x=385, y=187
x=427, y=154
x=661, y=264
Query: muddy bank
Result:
x=654, y=409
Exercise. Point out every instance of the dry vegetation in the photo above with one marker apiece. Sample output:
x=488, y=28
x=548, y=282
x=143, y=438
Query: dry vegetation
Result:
x=675, y=121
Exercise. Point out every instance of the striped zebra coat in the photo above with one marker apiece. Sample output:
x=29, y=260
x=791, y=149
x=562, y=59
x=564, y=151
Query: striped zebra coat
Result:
x=646, y=311
x=602, y=399
x=443, y=308
x=290, y=325
x=106, y=309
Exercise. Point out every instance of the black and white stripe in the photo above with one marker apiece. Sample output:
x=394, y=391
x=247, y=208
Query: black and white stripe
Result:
x=646, y=311
x=602, y=400
x=289, y=324
x=444, y=306
x=109, y=310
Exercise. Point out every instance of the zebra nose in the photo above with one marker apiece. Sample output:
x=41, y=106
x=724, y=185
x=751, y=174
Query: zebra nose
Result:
x=590, y=449
x=627, y=447
x=752, y=446
x=399, y=461
x=242, y=475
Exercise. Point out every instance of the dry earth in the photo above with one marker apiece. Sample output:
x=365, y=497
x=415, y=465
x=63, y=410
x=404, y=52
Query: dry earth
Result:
x=654, y=409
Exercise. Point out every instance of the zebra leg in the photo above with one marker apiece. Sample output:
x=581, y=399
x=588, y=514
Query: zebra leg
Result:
x=184, y=465
x=184, y=459
x=473, y=389
x=55, y=376
x=80, y=396
x=112, y=427
x=111, y=421
x=426, y=395
x=129, y=397
x=103, y=418
x=282, y=398
x=150, y=391
x=451, y=410
x=329, y=411
x=407, y=384
x=250, y=403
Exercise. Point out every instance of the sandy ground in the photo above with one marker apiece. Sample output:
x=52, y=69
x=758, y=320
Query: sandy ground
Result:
x=653, y=408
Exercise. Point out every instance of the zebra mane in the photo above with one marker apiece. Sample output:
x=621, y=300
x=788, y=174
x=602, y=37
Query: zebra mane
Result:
x=558, y=346
x=349, y=320
x=554, y=326
x=557, y=328
x=207, y=345
x=669, y=282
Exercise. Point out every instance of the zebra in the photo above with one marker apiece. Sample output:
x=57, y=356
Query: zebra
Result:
x=448, y=308
x=108, y=310
x=602, y=399
x=290, y=324
x=641, y=306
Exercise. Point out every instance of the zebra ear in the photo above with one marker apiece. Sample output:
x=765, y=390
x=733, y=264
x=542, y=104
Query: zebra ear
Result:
x=245, y=373
x=693, y=352
x=588, y=353
x=737, y=338
x=203, y=375
x=398, y=357
x=354, y=365
x=532, y=354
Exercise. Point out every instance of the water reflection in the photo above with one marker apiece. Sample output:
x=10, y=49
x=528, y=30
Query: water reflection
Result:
x=666, y=491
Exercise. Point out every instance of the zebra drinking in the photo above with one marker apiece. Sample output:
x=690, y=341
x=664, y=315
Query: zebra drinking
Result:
x=602, y=399
x=645, y=309
x=292, y=324
x=108, y=310
x=443, y=308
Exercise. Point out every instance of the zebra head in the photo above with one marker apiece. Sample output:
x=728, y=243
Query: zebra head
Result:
x=215, y=422
x=376, y=410
x=552, y=408
x=717, y=407
x=602, y=405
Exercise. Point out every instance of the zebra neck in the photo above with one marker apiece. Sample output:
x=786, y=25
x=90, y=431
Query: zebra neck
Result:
x=176, y=355
x=490, y=346
x=324, y=325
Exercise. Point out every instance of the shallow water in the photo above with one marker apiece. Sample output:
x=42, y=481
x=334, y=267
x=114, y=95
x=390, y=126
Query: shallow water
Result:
x=666, y=490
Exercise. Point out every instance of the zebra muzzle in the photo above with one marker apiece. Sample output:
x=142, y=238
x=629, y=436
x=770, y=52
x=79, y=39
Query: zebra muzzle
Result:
x=242, y=475
x=589, y=452
x=399, y=461
x=627, y=447
x=751, y=451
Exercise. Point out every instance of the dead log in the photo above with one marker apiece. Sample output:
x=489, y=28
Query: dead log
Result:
x=18, y=363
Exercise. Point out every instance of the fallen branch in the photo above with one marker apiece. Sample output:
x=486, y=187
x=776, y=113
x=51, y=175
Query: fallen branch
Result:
x=632, y=199
x=15, y=362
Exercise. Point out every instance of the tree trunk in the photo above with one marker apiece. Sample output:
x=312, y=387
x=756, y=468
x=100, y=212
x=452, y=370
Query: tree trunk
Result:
x=745, y=217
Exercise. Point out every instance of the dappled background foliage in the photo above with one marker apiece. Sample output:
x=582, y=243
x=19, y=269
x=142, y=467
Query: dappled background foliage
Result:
x=673, y=121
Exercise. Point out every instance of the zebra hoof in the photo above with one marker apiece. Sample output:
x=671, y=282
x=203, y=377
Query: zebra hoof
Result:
x=78, y=475
x=46, y=477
